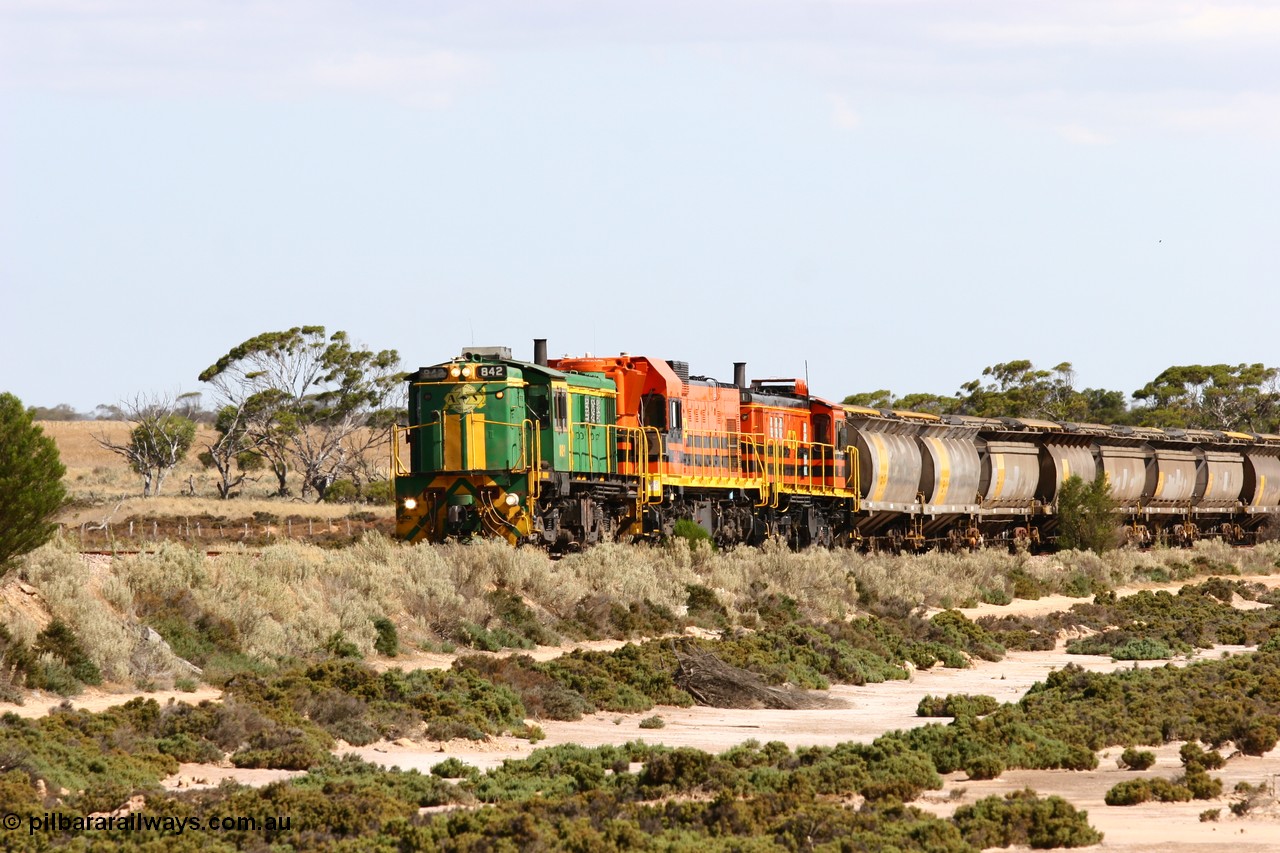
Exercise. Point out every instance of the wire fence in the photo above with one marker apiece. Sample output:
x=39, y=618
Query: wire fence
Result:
x=111, y=536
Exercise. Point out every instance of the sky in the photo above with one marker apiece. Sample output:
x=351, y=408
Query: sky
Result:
x=883, y=193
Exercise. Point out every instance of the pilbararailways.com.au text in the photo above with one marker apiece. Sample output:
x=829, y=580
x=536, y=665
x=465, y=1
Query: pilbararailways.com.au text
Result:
x=137, y=822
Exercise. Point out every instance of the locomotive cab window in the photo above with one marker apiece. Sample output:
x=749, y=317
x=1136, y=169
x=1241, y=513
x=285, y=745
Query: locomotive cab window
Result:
x=561, y=398
x=676, y=421
x=538, y=407
x=822, y=429
x=653, y=411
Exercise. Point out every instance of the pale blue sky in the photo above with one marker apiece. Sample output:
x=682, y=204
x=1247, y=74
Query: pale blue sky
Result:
x=901, y=192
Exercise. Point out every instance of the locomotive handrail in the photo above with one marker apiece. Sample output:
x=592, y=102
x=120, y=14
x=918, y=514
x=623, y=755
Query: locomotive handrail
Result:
x=660, y=474
x=853, y=477
x=397, y=466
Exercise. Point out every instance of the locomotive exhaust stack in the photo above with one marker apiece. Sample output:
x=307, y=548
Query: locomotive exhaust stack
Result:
x=540, y=351
x=740, y=374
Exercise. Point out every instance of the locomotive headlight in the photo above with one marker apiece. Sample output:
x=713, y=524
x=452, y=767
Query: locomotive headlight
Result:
x=512, y=499
x=455, y=372
x=466, y=372
x=410, y=503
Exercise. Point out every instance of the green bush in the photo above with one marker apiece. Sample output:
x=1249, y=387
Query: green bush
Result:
x=340, y=647
x=704, y=608
x=454, y=768
x=1142, y=649
x=691, y=532
x=1130, y=792
x=984, y=767
x=379, y=492
x=1136, y=759
x=1193, y=756
x=956, y=705
x=388, y=639
x=1258, y=736
x=31, y=489
x=340, y=492
x=654, y=722
x=58, y=640
x=1201, y=785
x=1087, y=515
x=1022, y=818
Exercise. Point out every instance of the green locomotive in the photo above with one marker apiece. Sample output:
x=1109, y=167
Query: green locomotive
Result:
x=491, y=438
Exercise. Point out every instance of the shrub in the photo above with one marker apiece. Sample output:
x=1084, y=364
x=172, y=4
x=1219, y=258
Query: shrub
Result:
x=1087, y=516
x=1193, y=756
x=1201, y=785
x=517, y=619
x=340, y=647
x=1142, y=649
x=704, y=607
x=379, y=492
x=1022, y=818
x=956, y=705
x=654, y=722
x=340, y=492
x=1130, y=792
x=388, y=641
x=31, y=489
x=1258, y=735
x=58, y=640
x=455, y=768
x=691, y=532
x=1136, y=759
x=543, y=697
x=994, y=595
x=984, y=767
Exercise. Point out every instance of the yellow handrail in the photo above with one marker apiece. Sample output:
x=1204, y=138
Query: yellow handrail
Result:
x=660, y=473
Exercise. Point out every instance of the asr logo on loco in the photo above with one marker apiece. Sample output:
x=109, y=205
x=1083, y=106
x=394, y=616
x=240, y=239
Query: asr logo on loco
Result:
x=464, y=399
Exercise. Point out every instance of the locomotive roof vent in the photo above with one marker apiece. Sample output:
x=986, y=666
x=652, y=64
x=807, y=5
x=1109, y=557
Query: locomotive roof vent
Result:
x=681, y=369
x=487, y=352
x=780, y=386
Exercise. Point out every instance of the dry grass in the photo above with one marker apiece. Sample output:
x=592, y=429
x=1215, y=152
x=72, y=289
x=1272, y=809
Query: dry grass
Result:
x=99, y=609
x=287, y=600
x=96, y=474
x=103, y=488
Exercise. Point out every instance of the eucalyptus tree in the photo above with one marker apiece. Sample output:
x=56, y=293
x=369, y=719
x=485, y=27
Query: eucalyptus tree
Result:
x=308, y=401
x=161, y=433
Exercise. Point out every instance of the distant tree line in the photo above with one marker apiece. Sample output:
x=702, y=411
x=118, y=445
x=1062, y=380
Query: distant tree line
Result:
x=189, y=407
x=1242, y=397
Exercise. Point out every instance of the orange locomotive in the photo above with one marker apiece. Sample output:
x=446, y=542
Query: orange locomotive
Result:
x=745, y=462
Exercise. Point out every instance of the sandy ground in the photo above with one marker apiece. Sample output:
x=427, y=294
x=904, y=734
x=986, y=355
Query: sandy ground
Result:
x=875, y=709
x=870, y=710
x=95, y=699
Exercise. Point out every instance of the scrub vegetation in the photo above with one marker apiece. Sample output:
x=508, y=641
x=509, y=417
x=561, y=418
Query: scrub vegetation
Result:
x=260, y=611
x=285, y=633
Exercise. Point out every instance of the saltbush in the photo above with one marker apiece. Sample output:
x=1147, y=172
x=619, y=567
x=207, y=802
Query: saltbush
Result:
x=1137, y=759
x=1022, y=818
